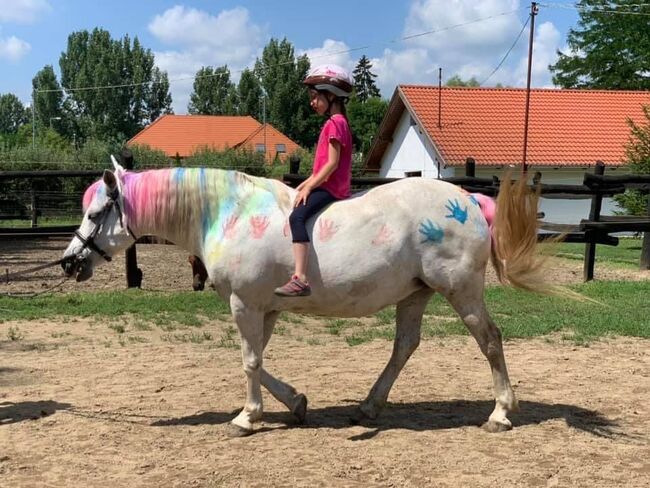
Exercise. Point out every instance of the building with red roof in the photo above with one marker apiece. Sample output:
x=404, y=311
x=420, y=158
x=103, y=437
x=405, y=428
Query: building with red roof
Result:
x=433, y=131
x=183, y=134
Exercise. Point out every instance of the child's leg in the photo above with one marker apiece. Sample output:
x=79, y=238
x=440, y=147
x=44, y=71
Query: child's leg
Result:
x=300, y=255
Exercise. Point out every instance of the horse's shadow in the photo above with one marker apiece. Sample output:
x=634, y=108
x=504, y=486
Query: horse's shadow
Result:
x=421, y=416
x=11, y=413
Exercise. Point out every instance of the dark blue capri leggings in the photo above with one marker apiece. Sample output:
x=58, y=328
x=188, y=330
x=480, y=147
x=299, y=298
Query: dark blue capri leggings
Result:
x=317, y=199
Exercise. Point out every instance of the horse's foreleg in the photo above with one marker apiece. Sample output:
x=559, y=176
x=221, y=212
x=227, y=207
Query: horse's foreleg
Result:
x=283, y=392
x=470, y=306
x=407, y=338
x=250, y=323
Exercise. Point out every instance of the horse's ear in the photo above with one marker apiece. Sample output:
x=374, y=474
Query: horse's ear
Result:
x=116, y=165
x=109, y=180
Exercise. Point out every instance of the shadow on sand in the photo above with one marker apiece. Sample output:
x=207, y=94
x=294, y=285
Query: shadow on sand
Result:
x=422, y=416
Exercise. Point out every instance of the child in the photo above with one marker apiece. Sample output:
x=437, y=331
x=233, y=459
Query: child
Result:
x=329, y=88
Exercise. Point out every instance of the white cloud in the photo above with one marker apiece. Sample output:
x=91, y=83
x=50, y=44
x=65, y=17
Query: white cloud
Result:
x=331, y=52
x=22, y=11
x=197, y=38
x=545, y=45
x=470, y=50
x=13, y=48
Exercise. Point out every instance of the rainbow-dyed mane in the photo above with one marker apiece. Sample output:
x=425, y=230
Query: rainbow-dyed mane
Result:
x=396, y=244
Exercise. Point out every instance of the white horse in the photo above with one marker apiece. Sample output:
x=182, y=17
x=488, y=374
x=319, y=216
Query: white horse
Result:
x=394, y=244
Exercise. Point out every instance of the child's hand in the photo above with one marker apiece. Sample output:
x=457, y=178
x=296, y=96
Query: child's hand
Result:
x=302, y=195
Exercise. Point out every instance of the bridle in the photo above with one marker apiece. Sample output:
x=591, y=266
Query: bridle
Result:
x=98, y=218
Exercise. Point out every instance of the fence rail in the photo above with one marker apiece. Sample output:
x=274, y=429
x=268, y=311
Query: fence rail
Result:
x=593, y=230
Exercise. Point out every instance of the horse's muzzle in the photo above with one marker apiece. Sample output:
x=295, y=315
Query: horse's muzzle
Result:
x=79, y=266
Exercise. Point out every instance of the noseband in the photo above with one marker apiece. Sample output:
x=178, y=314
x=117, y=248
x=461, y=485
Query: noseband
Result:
x=98, y=218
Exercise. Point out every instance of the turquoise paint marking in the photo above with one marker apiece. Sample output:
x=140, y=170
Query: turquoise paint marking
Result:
x=431, y=232
x=457, y=213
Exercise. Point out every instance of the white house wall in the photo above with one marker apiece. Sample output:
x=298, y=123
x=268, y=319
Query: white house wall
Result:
x=556, y=210
x=409, y=151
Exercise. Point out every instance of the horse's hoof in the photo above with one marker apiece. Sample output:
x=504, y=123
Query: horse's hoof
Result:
x=234, y=431
x=299, y=409
x=494, y=427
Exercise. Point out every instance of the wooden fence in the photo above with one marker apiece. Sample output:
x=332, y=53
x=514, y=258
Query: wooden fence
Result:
x=594, y=229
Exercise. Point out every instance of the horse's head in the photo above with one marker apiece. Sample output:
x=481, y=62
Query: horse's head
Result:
x=103, y=231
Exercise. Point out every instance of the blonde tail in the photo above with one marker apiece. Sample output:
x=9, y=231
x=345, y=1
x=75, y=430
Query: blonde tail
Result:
x=514, y=245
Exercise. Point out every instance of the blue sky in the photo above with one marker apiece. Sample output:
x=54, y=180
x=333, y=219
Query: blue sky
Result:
x=185, y=36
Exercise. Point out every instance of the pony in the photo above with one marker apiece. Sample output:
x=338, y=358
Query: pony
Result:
x=394, y=244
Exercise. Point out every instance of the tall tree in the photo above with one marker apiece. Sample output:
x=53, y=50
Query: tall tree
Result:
x=250, y=95
x=365, y=118
x=364, y=80
x=12, y=114
x=214, y=93
x=287, y=108
x=48, y=98
x=456, y=80
x=610, y=48
x=638, y=160
x=113, y=87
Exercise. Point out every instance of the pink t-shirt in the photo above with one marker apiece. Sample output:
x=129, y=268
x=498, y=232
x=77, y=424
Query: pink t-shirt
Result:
x=336, y=127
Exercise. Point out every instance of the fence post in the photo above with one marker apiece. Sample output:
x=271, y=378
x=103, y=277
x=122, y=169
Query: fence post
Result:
x=470, y=167
x=34, y=204
x=294, y=164
x=590, y=237
x=133, y=273
x=645, y=247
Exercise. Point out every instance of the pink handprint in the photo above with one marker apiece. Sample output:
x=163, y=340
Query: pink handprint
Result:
x=326, y=229
x=259, y=223
x=229, y=227
x=383, y=237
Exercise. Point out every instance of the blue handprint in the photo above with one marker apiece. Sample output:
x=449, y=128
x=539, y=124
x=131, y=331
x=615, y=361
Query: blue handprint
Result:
x=431, y=232
x=473, y=199
x=456, y=212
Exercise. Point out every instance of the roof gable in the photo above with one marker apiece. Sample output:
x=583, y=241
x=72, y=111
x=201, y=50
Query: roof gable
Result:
x=566, y=127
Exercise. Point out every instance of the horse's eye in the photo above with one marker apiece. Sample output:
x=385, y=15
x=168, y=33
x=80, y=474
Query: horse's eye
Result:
x=93, y=216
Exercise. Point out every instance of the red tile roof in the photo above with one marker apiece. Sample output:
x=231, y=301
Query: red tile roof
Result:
x=566, y=127
x=183, y=134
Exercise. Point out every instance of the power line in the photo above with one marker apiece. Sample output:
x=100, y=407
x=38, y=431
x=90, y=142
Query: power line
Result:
x=507, y=53
x=324, y=55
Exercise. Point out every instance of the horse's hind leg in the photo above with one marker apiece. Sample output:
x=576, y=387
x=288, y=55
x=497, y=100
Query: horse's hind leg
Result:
x=468, y=301
x=407, y=338
x=283, y=392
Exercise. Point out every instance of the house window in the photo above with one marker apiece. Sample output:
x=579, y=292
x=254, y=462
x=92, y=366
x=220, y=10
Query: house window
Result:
x=260, y=147
x=280, y=148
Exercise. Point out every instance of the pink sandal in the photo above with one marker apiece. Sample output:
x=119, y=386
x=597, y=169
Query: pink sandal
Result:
x=295, y=287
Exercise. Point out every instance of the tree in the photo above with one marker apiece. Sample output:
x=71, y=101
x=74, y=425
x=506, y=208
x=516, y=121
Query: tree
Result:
x=12, y=114
x=638, y=160
x=127, y=93
x=365, y=118
x=214, y=93
x=458, y=81
x=48, y=98
x=364, y=80
x=608, y=49
x=280, y=74
x=250, y=95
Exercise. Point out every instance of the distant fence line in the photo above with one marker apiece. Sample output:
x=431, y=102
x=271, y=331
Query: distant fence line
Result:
x=593, y=230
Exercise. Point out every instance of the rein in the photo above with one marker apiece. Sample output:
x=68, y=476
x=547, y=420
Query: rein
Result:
x=87, y=241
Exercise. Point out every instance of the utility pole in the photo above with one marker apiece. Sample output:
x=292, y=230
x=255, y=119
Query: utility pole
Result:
x=533, y=12
x=33, y=118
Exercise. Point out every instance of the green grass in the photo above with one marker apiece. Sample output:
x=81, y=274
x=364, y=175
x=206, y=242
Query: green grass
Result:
x=167, y=310
x=625, y=311
x=627, y=254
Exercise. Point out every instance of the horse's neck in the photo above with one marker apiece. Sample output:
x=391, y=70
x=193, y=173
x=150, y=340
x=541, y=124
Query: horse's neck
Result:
x=182, y=204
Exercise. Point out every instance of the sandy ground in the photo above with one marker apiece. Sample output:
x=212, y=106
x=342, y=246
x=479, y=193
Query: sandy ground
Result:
x=84, y=405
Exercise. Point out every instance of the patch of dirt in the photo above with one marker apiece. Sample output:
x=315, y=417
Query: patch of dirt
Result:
x=86, y=403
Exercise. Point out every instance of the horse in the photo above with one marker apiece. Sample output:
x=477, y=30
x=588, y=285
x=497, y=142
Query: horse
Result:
x=394, y=244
